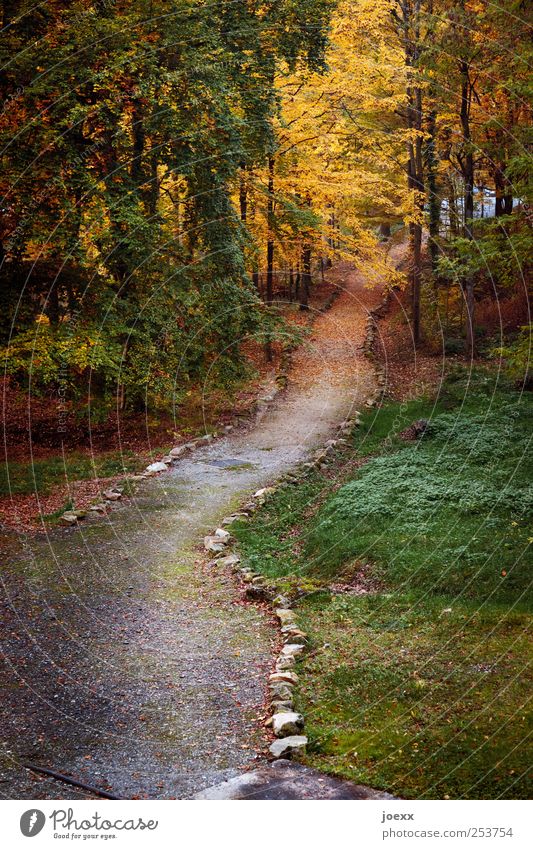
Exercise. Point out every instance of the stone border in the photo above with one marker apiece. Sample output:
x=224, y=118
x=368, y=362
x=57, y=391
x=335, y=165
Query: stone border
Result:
x=286, y=723
x=370, y=340
x=115, y=493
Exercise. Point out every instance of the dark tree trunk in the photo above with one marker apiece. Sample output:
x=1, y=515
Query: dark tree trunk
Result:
x=153, y=195
x=306, y=277
x=504, y=198
x=270, y=248
x=410, y=26
x=243, y=193
x=270, y=238
x=434, y=199
x=467, y=168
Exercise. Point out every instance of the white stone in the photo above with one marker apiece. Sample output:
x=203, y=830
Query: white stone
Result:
x=283, y=677
x=287, y=724
x=69, y=518
x=229, y=560
x=112, y=494
x=292, y=649
x=288, y=746
x=156, y=467
x=285, y=615
x=222, y=535
x=177, y=451
x=212, y=543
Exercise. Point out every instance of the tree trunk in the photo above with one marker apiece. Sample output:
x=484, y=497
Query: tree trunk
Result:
x=270, y=248
x=504, y=198
x=410, y=27
x=434, y=200
x=243, y=193
x=270, y=237
x=467, y=168
x=306, y=277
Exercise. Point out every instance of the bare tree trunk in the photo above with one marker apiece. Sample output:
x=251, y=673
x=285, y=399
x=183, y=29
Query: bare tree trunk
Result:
x=467, y=168
x=306, y=277
x=243, y=193
x=434, y=199
x=270, y=248
x=410, y=29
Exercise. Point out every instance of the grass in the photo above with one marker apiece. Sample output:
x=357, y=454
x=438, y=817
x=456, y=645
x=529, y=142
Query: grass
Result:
x=420, y=686
x=43, y=475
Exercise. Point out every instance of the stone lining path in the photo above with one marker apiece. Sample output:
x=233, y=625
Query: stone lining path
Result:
x=125, y=664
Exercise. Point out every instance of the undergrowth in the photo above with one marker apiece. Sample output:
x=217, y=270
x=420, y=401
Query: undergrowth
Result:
x=421, y=684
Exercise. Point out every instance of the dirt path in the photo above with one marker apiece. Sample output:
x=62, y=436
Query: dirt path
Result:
x=124, y=663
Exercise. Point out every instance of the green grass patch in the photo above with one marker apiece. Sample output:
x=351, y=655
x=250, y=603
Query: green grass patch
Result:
x=421, y=703
x=43, y=475
x=409, y=696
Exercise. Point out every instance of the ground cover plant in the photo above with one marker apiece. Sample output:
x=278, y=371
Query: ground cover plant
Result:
x=417, y=568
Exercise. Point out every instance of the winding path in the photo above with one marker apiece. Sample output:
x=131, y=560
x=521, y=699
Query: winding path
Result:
x=127, y=665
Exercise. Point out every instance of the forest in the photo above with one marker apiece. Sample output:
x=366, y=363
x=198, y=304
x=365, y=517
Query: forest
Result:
x=171, y=169
x=265, y=329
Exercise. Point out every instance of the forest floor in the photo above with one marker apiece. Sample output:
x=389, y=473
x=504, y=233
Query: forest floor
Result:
x=129, y=661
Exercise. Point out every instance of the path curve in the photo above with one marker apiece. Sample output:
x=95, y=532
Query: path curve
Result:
x=127, y=665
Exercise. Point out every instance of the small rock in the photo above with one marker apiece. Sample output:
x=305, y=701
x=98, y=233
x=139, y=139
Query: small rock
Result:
x=282, y=707
x=69, y=518
x=285, y=615
x=154, y=468
x=285, y=663
x=177, y=451
x=288, y=746
x=283, y=677
x=293, y=638
x=222, y=535
x=287, y=724
x=229, y=520
x=229, y=560
x=280, y=693
x=292, y=649
x=112, y=494
x=213, y=543
x=167, y=460
x=99, y=508
x=293, y=631
x=257, y=592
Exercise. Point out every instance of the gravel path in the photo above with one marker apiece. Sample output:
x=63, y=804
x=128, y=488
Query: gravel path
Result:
x=126, y=664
